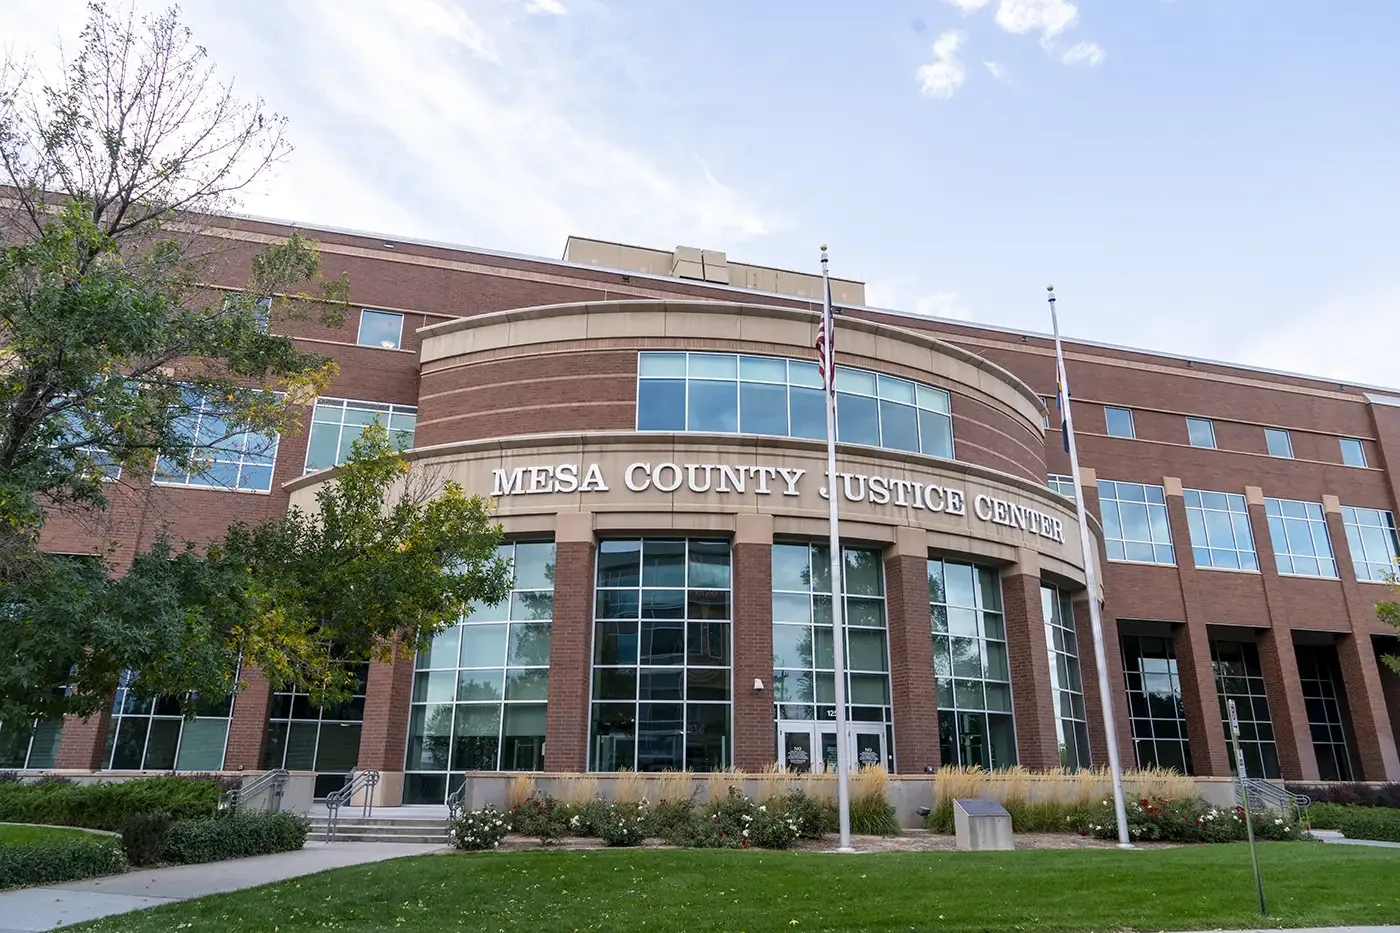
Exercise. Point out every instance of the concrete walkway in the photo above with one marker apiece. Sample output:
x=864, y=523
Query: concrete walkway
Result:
x=32, y=909
x=1332, y=836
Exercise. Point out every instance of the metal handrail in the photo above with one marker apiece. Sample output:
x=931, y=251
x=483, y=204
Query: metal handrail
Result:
x=274, y=780
x=357, y=780
x=1263, y=795
x=457, y=798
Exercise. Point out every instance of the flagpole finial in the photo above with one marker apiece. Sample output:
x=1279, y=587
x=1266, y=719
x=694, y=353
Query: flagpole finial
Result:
x=823, y=247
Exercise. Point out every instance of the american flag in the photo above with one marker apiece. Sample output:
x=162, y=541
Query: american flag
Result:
x=826, y=343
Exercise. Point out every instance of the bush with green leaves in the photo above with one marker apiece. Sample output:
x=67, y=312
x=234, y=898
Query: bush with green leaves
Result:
x=237, y=835
x=104, y=805
x=872, y=815
x=625, y=824
x=815, y=818
x=1191, y=819
x=65, y=860
x=1377, y=823
x=584, y=819
x=475, y=830
x=1350, y=792
x=541, y=816
x=773, y=826
x=672, y=819
x=145, y=836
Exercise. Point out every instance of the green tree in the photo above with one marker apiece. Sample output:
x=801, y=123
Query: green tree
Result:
x=386, y=560
x=1389, y=613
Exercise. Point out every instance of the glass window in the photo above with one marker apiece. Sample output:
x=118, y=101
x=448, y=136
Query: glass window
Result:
x=1319, y=674
x=1279, y=441
x=380, y=329
x=32, y=748
x=1299, y=534
x=1220, y=534
x=1201, y=431
x=1119, y=421
x=971, y=666
x=1047, y=403
x=728, y=394
x=1135, y=522
x=88, y=459
x=1239, y=677
x=336, y=424
x=153, y=735
x=324, y=739
x=1063, y=484
x=1066, y=681
x=661, y=654
x=222, y=456
x=1353, y=452
x=479, y=692
x=1154, y=703
x=804, y=658
x=1373, y=543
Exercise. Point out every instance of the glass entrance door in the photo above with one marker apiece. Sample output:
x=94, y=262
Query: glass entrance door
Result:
x=801, y=744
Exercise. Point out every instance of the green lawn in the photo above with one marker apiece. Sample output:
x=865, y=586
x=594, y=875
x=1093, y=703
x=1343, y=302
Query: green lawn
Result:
x=677, y=890
x=13, y=835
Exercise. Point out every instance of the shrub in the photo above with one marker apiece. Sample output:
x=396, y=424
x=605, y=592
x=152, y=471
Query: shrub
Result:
x=773, y=827
x=815, y=818
x=145, y=836
x=671, y=818
x=237, y=835
x=540, y=816
x=1379, y=823
x=624, y=824
x=1190, y=819
x=584, y=819
x=478, y=829
x=61, y=802
x=872, y=816
x=1365, y=795
x=66, y=860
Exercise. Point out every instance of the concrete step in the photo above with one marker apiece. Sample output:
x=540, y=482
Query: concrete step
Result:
x=441, y=840
x=410, y=824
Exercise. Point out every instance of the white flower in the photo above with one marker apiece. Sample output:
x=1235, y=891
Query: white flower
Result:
x=1278, y=822
x=762, y=808
x=746, y=832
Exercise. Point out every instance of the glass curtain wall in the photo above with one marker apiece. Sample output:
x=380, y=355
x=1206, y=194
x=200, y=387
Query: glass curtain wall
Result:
x=1320, y=675
x=1239, y=677
x=34, y=748
x=153, y=735
x=971, y=666
x=1066, y=680
x=804, y=665
x=324, y=739
x=479, y=693
x=1155, y=703
x=661, y=656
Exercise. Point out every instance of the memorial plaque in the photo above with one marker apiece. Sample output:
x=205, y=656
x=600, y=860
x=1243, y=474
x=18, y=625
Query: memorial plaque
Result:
x=982, y=825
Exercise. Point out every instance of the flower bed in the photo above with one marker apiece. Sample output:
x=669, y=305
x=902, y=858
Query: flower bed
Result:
x=1190, y=819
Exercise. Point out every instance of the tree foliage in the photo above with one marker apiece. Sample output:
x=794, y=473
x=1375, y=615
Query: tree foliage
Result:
x=384, y=562
x=1389, y=613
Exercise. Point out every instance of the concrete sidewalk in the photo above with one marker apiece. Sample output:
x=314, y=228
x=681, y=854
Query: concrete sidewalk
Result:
x=32, y=909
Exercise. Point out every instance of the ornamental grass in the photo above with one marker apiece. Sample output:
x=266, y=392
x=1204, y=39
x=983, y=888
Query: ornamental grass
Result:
x=629, y=787
x=576, y=789
x=519, y=790
x=675, y=785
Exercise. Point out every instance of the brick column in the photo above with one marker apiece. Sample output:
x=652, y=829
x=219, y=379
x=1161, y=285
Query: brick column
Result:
x=1370, y=719
x=1113, y=653
x=247, y=729
x=1277, y=658
x=913, y=690
x=1210, y=756
x=384, y=734
x=1374, y=747
x=1297, y=759
x=754, y=736
x=1032, y=697
x=571, y=638
x=83, y=742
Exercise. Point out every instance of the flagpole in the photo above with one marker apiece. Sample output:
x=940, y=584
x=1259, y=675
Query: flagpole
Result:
x=838, y=628
x=1090, y=552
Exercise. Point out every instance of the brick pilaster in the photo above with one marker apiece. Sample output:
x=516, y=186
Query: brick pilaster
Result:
x=384, y=733
x=1296, y=757
x=1210, y=755
x=83, y=742
x=1032, y=695
x=1113, y=653
x=754, y=736
x=571, y=635
x=247, y=729
x=1370, y=719
x=914, y=692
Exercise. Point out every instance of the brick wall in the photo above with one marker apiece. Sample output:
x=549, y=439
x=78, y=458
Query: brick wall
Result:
x=570, y=658
x=247, y=729
x=913, y=689
x=1032, y=698
x=754, y=735
x=388, y=695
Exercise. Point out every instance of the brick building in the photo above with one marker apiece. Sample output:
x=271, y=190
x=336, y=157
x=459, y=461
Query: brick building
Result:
x=649, y=423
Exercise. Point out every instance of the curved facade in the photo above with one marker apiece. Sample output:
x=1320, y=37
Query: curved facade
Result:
x=659, y=468
x=656, y=449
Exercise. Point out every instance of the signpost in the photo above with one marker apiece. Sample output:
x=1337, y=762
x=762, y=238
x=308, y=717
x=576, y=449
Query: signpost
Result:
x=1244, y=791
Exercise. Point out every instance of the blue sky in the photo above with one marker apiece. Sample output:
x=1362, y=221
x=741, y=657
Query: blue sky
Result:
x=1216, y=178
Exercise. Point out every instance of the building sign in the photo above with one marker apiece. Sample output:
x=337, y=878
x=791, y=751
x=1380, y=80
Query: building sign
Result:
x=771, y=481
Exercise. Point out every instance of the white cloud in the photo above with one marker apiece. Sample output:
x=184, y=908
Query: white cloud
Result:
x=1308, y=342
x=945, y=74
x=1090, y=54
x=968, y=6
x=943, y=304
x=1048, y=17
x=998, y=72
x=548, y=7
